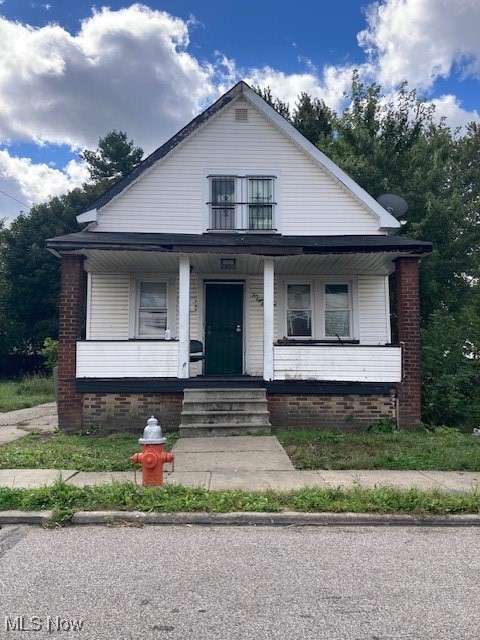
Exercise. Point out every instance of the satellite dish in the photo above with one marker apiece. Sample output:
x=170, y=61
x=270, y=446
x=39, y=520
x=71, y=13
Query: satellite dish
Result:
x=396, y=205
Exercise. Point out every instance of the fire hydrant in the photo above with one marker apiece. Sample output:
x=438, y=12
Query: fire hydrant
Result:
x=153, y=457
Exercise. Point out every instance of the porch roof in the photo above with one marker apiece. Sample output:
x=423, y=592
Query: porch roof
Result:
x=233, y=243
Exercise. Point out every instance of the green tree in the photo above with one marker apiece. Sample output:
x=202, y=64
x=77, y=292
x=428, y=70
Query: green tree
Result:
x=451, y=366
x=114, y=158
x=314, y=120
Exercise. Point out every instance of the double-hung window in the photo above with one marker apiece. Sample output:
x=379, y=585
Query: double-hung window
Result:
x=337, y=311
x=241, y=202
x=260, y=203
x=223, y=202
x=152, y=309
x=319, y=309
x=299, y=310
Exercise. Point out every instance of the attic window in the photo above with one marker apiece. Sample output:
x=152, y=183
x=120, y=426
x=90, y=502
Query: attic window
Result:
x=242, y=202
x=241, y=115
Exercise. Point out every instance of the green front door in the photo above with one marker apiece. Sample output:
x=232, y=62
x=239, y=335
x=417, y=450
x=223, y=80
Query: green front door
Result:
x=224, y=329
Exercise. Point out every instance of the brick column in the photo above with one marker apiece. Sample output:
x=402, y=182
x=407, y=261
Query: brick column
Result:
x=408, y=309
x=72, y=314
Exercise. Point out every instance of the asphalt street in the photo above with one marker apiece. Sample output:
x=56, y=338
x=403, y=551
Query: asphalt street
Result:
x=190, y=582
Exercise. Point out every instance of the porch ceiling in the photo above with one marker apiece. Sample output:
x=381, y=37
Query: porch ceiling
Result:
x=99, y=261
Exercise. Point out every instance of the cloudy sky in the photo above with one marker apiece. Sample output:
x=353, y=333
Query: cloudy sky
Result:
x=71, y=71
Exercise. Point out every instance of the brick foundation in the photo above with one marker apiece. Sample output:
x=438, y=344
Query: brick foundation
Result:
x=130, y=411
x=342, y=412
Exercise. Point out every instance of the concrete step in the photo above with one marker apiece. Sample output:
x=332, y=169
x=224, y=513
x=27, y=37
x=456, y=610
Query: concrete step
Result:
x=227, y=405
x=247, y=417
x=221, y=395
x=202, y=430
x=216, y=411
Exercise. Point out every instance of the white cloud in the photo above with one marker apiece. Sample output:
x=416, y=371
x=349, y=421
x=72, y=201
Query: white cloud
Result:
x=125, y=69
x=448, y=106
x=31, y=183
x=422, y=40
x=329, y=87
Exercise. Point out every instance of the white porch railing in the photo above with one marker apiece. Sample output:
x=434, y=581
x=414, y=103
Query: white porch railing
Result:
x=342, y=363
x=127, y=359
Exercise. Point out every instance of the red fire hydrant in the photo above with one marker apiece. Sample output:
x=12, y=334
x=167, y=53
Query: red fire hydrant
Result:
x=153, y=457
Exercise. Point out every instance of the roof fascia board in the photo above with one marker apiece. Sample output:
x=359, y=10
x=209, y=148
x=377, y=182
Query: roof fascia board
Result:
x=386, y=220
x=88, y=216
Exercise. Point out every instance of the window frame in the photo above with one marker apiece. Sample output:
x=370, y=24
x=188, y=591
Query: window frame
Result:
x=311, y=309
x=242, y=200
x=325, y=284
x=318, y=304
x=170, y=292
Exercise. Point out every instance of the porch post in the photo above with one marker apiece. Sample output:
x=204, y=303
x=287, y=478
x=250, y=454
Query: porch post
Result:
x=184, y=318
x=408, y=310
x=268, y=317
x=71, y=321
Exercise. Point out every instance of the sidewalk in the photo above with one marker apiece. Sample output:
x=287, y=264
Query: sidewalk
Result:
x=15, y=424
x=251, y=463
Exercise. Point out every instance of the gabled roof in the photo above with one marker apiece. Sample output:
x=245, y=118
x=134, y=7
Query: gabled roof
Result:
x=386, y=220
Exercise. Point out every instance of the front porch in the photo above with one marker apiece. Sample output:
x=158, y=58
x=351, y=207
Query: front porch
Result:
x=310, y=324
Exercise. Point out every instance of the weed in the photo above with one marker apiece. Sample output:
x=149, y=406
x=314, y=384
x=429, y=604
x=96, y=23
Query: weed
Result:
x=385, y=425
x=66, y=499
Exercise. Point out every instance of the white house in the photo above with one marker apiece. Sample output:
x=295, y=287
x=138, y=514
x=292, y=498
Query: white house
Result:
x=241, y=235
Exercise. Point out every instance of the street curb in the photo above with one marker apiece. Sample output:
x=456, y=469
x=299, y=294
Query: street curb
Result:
x=25, y=517
x=272, y=519
x=244, y=519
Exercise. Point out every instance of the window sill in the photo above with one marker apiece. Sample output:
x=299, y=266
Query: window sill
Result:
x=151, y=339
x=249, y=231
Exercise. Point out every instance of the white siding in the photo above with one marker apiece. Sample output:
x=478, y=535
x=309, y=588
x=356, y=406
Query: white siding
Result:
x=194, y=308
x=343, y=364
x=254, y=344
x=134, y=359
x=373, y=310
x=109, y=307
x=171, y=197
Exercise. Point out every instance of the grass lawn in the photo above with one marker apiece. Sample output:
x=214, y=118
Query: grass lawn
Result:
x=22, y=393
x=442, y=449
x=81, y=452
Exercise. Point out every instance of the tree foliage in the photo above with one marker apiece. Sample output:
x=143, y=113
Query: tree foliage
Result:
x=114, y=158
x=314, y=120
